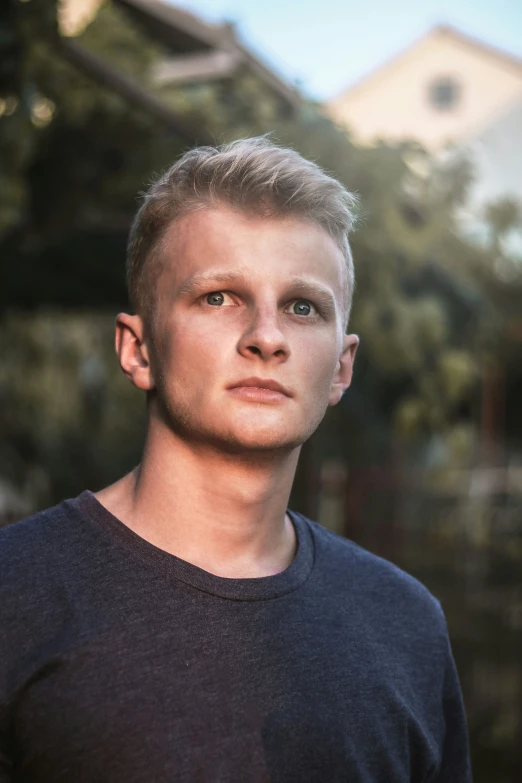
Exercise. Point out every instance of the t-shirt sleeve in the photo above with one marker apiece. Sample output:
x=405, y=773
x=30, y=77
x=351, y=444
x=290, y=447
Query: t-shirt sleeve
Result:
x=455, y=766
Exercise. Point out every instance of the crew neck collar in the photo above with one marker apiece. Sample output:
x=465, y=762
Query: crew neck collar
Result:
x=257, y=588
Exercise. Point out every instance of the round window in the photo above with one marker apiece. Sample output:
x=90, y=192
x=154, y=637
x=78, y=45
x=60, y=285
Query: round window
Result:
x=444, y=93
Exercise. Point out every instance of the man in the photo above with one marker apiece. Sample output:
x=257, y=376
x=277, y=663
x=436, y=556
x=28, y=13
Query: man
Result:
x=181, y=624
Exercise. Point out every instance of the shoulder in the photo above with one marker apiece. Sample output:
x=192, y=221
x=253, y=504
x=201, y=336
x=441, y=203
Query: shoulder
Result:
x=39, y=557
x=381, y=588
x=31, y=547
x=29, y=533
x=36, y=556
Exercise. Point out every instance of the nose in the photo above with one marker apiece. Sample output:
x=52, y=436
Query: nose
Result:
x=264, y=337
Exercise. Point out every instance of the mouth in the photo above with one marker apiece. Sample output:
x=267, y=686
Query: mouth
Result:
x=260, y=389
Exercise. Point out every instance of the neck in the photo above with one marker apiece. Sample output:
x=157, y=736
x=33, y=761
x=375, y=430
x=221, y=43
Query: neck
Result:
x=220, y=511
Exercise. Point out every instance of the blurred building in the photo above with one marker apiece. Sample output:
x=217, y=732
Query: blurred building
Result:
x=447, y=91
x=197, y=51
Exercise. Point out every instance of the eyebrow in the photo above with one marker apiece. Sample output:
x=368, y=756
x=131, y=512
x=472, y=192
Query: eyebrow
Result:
x=323, y=296
x=195, y=283
x=300, y=285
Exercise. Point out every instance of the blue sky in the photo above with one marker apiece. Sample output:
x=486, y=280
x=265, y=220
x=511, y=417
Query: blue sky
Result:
x=329, y=44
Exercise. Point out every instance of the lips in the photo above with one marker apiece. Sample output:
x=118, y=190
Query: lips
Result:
x=261, y=383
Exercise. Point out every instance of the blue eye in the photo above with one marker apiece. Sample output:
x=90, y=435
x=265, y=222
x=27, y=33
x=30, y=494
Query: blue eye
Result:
x=301, y=307
x=216, y=298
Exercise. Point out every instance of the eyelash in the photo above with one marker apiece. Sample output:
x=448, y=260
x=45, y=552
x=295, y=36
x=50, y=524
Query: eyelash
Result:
x=316, y=311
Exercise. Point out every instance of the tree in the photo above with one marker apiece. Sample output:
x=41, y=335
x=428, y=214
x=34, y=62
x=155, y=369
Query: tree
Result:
x=423, y=305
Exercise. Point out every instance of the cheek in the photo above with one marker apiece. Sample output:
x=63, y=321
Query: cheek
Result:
x=320, y=360
x=194, y=349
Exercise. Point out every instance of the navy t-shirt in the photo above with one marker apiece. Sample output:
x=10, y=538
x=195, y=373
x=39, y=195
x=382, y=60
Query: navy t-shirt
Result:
x=121, y=663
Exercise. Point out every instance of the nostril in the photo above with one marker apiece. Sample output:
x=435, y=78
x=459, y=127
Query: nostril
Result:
x=254, y=349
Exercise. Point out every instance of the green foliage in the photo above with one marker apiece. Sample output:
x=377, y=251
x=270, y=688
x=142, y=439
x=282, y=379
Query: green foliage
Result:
x=503, y=215
x=429, y=306
x=67, y=411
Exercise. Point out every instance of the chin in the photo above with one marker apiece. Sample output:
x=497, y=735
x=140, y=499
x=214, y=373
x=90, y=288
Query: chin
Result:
x=237, y=437
x=275, y=433
x=258, y=439
x=257, y=431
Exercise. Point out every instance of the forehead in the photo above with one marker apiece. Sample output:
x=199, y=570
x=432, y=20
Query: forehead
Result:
x=265, y=250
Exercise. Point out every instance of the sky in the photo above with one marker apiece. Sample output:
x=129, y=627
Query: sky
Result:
x=327, y=45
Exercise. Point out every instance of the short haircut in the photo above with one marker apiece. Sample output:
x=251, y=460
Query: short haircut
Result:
x=253, y=175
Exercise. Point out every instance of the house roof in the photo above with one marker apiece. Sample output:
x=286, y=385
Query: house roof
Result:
x=475, y=43
x=200, y=51
x=187, y=34
x=99, y=70
x=173, y=26
x=439, y=31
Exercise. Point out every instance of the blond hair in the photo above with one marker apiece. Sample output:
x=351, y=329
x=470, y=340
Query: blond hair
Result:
x=253, y=175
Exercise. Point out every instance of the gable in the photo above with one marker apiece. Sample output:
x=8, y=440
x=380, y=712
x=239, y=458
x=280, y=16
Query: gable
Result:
x=443, y=89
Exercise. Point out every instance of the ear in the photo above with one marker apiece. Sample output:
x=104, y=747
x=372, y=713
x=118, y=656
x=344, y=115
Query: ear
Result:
x=132, y=351
x=343, y=375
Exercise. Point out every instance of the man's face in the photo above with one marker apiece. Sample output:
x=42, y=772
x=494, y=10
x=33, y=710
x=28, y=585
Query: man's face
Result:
x=247, y=346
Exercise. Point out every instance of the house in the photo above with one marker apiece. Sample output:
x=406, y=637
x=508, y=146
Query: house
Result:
x=197, y=50
x=445, y=91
